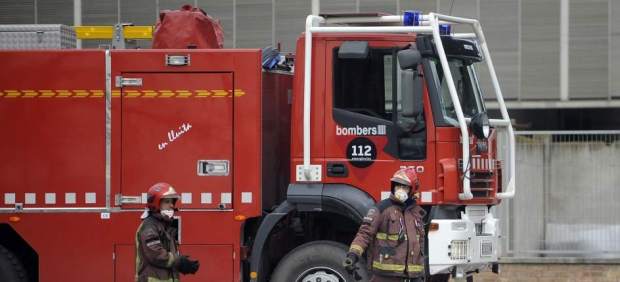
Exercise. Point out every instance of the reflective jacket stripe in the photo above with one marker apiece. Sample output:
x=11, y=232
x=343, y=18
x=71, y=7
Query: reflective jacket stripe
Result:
x=153, y=279
x=384, y=236
x=171, y=259
x=397, y=267
x=356, y=249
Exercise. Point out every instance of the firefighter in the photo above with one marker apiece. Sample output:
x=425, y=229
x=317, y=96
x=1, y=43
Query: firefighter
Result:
x=392, y=234
x=157, y=256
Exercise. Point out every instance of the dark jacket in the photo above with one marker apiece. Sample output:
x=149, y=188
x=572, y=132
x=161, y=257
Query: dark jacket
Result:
x=393, y=236
x=156, y=250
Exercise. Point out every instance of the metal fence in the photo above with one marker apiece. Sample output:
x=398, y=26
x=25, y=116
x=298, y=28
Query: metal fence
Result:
x=568, y=196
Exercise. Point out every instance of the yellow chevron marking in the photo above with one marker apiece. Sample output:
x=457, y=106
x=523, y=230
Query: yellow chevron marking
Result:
x=12, y=93
x=30, y=94
x=183, y=93
x=203, y=93
x=166, y=94
x=96, y=93
x=239, y=92
x=149, y=94
x=220, y=93
x=63, y=93
x=47, y=94
x=80, y=93
x=132, y=93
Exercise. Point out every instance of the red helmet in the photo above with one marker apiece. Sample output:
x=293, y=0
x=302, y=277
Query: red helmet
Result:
x=406, y=176
x=160, y=191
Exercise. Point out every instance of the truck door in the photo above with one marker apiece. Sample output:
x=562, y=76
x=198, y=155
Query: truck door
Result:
x=177, y=128
x=376, y=119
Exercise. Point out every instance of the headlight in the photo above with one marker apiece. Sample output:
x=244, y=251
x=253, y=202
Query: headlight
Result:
x=486, y=130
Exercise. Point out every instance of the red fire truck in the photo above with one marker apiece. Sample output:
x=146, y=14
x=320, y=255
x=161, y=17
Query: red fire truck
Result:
x=275, y=169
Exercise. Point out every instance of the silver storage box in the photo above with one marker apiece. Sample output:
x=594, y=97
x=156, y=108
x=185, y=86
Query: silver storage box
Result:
x=37, y=36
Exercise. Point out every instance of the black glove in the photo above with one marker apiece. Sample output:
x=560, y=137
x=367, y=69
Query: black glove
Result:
x=187, y=266
x=350, y=261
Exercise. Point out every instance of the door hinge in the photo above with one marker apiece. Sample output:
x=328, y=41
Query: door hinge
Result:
x=126, y=81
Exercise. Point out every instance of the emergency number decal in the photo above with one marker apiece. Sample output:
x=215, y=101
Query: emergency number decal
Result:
x=361, y=152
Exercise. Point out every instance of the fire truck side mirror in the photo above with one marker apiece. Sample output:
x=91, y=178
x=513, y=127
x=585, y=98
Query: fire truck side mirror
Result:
x=409, y=58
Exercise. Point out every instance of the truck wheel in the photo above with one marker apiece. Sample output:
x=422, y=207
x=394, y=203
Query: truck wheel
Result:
x=318, y=261
x=11, y=269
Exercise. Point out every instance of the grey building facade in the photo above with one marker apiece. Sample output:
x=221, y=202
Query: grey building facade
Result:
x=558, y=60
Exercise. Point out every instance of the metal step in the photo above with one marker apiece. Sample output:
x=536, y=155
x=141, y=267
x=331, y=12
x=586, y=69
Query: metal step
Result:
x=481, y=189
x=478, y=180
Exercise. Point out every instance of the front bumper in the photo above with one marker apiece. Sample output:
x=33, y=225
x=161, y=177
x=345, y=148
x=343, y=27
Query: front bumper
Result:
x=464, y=245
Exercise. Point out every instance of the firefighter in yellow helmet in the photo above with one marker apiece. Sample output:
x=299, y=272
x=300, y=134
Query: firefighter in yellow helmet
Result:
x=157, y=256
x=392, y=234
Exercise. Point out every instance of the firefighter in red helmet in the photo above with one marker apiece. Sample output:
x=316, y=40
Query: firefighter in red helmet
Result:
x=157, y=255
x=392, y=234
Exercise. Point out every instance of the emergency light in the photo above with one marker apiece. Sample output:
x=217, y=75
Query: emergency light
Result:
x=445, y=29
x=412, y=18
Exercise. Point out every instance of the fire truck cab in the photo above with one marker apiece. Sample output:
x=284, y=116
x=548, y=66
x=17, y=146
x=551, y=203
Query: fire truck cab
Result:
x=376, y=99
x=276, y=169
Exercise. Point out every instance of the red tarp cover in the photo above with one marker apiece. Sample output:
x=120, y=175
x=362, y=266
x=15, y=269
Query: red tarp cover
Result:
x=188, y=27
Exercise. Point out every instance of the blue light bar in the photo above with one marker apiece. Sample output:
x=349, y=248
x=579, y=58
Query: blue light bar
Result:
x=445, y=29
x=411, y=18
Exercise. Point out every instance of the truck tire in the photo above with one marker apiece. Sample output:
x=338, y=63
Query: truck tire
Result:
x=11, y=269
x=317, y=261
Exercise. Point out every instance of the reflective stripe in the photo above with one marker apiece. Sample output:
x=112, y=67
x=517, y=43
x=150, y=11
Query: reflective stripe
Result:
x=170, y=259
x=358, y=249
x=415, y=268
x=150, y=244
x=397, y=267
x=384, y=236
x=153, y=279
x=138, y=254
x=388, y=267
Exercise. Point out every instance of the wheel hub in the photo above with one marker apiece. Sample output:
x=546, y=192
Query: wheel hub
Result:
x=320, y=276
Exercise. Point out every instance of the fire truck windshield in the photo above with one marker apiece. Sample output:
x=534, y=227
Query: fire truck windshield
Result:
x=467, y=88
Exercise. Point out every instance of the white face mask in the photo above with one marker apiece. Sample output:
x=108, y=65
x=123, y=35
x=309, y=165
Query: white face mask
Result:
x=401, y=195
x=168, y=213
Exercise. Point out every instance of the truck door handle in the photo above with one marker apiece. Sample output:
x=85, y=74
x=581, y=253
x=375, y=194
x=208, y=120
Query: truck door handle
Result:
x=337, y=170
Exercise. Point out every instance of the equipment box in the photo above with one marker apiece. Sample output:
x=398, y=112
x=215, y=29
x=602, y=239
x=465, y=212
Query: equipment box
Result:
x=37, y=36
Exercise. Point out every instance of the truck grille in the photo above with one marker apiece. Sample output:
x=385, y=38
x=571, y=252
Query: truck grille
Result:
x=482, y=164
x=458, y=249
x=482, y=176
